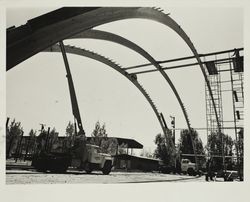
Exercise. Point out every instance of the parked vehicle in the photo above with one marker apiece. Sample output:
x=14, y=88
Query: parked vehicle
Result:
x=187, y=167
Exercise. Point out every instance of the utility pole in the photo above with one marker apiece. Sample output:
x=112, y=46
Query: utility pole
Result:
x=173, y=126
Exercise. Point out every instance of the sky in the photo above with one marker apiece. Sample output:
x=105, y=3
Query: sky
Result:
x=37, y=91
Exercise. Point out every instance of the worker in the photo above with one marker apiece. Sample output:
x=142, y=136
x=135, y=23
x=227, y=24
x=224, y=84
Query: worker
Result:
x=209, y=168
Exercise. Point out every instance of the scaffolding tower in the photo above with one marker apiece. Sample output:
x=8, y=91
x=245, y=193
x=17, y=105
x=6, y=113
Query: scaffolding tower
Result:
x=226, y=77
x=214, y=78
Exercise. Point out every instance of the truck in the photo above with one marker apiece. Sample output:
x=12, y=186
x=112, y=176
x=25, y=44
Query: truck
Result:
x=59, y=162
x=187, y=167
x=81, y=155
x=184, y=166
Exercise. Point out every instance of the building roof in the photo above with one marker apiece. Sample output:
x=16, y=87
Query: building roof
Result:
x=130, y=143
x=127, y=157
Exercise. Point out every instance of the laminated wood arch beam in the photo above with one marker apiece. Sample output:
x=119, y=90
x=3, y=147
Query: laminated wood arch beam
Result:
x=107, y=36
x=115, y=66
x=25, y=41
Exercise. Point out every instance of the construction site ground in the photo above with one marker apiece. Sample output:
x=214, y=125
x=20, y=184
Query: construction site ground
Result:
x=23, y=173
x=76, y=177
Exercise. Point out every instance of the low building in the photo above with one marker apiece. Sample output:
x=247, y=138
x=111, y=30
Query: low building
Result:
x=135, y=163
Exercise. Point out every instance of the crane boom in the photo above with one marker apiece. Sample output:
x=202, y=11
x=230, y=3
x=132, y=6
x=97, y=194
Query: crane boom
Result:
x=74, y=103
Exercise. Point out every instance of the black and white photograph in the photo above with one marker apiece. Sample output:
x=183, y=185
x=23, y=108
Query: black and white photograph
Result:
x=125, y=96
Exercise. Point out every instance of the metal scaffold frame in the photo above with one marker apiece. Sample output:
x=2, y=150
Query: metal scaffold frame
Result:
x=231, y=70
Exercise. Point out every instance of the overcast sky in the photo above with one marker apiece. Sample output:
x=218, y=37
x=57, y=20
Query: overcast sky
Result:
x=37, y=90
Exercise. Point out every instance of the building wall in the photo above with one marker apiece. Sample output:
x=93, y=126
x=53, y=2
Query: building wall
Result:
x=128, y=162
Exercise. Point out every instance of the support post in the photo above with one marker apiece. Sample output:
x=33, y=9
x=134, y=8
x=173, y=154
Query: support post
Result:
x=74, y=102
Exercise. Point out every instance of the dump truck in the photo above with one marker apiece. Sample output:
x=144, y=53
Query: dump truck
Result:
x=81, y=155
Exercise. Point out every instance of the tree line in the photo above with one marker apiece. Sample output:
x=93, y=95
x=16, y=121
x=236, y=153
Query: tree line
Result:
x=171, y=154
x=18, y=145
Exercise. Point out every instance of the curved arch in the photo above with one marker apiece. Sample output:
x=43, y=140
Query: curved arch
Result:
x=102, y=35
x=19, y=48
x=100, y=58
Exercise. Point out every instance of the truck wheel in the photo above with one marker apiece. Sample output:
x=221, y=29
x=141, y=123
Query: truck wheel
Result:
x=42, y=170
x=62, y=169
x=191, y=172
x=88, y=168
x=39, y=165
x=107, y=168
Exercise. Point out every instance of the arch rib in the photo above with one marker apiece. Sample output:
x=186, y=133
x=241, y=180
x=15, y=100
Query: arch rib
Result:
x=100, y=58
x=19, y=48
x=102, y=35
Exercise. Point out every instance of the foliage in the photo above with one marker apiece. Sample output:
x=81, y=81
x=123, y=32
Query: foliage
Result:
x=100, y=138
x=215, y=147
x=109, y=145
x=31, y=142
x=185, y=145
x=70, y=132
x=13, y=136
x=98, y=134
x=41, y=140
x=52, y=140
x=122, y=149
x=240, y=142
x=240, y=145
x=165, y=149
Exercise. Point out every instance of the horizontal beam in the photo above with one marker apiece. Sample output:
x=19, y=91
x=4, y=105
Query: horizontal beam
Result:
x=186, y=58
x=225, y=60
x=228, y=128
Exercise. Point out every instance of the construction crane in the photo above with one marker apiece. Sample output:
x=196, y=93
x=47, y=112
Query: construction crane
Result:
x=81, y=156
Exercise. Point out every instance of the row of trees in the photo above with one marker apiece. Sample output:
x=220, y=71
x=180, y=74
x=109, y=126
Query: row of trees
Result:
x=48, y=140
x=17, y=143
x=166, y=150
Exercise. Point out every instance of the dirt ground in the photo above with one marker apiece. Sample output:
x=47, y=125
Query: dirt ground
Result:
x=76, y=177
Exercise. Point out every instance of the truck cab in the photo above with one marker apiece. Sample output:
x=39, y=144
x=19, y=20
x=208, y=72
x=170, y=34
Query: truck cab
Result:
x=98, y=160
x=188, y=167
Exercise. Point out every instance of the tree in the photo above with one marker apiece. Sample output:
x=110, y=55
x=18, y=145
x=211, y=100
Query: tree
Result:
x=13, y=136
x=185, y=145
x=217, y=142
x=53, y=140
x=122, y=149
x=109, y=145
x=100, y=138
x=240, y=146
x=165, y=149
x=240, y=143
x=42, y=139
x=98, y=134
x=31, y=144
x=70, y=132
